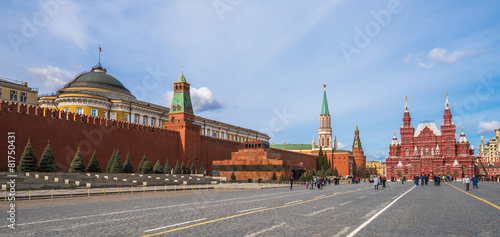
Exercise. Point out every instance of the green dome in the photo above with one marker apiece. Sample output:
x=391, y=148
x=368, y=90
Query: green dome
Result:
x=97, y=78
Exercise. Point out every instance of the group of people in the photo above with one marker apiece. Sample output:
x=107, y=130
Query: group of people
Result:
x=467, y=181
x=317, y=183
x=378, y=180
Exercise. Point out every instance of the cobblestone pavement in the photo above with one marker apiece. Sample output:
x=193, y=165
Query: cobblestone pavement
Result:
x=345, y=210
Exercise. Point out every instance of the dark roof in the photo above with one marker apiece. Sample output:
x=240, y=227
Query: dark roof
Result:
x=97, y=78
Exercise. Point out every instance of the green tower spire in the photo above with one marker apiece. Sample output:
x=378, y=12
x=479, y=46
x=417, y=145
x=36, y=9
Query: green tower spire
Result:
x=324, y=107
x=181, y=101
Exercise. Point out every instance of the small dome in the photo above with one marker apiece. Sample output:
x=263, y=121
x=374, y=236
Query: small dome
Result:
x=97, y=78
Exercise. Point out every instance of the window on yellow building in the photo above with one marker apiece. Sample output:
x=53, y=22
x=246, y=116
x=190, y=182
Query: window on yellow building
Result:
x=136, y=119
x=24, y=97
x=152, y=122
x=0, y=92
x=105, y=114
x=66, y=109
x=79, y=110
x=112, y=115
x=159, y=123
x=144, y=120
x=126, y=118
x=13, y=95
x=93, y=112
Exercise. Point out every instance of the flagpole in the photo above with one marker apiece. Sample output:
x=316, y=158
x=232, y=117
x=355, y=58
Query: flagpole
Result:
x=99, y=54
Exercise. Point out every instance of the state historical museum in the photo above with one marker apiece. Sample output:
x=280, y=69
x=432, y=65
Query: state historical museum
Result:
x=430, y=151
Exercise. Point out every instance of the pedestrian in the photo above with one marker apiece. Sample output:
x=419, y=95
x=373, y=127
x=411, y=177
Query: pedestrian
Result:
x=403, y=180
x=375, y=182
x=383, y=181
x=422, y=179
x=474, y=182
x=307, y=184
x=291, y=182
x=426, y=179
x=466, y=182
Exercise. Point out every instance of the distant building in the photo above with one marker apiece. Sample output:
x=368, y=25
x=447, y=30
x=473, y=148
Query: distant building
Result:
x=384, y=168
x=430, y=151
x=18, y=92
x=97, y=93
x=488, y=158
x=373, y=168
x=346, y=162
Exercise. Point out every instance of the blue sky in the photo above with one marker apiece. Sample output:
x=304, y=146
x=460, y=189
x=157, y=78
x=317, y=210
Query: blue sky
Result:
x=262, y=64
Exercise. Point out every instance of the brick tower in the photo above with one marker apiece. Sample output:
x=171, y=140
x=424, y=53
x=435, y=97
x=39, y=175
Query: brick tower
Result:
x=181, y=118
x=358, y=154
x=325, y=129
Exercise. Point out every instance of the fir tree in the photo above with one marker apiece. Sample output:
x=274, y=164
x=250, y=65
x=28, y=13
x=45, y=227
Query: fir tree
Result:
x=28, y=160
x=127, y=166
x=117, y=164
x=193, y=169
x=47, y=162
x=77, y=165
x=303, y=178
x=167, y=169
x=183, y=168
x=282, y=177
x=158, y=169
x=147, y=168
x=94, y=166
x=177, y=169
x=335, y=172
x=201, y=170
x=141, y=164
x=273, y=177
x=233, y=177
x=111, y=162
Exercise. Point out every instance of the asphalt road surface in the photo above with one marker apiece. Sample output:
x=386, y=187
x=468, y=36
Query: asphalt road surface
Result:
x=345, y=210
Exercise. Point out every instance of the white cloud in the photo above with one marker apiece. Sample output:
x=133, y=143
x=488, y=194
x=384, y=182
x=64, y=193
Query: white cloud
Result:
x=203, y=99
x=50, y=77
x=341, y=146
x=436, y=57
x=488, y=127
x=68, y=24
x=379, y=156
x=441, y=55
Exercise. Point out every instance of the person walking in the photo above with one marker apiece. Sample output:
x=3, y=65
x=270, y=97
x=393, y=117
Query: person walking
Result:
x=375, y=182
x=383, y=181
x=422, y=179
x=307, y=184
x=466, y=182
x=474, y=182
x=403, y=180
x=291, y=182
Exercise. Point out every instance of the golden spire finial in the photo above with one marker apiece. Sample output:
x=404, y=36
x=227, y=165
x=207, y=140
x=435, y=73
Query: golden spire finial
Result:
x=324, y=87
x=394, y=132
x=482, y=137
x=462, y=128
x=406, y=99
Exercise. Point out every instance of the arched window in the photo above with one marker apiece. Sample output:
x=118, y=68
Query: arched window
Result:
x=427, y=151
x=448, y=150
x=394, y=153
x=407, y=152
x=421, y=151
x=327, y=142
x=432, y=151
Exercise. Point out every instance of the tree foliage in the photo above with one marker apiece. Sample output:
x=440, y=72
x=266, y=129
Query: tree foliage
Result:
x=273, y=177
x=47, y=162
x=177, y=169
x=158, y=168
x=233, y=177
x=93, y=165
x=193, y=169
x=282, y=177
x=141, y=164
x=147, y=168
x=117, y=164
x=77, y=165
x=127, y=166
x=28, y=162
x=111, y=162
x=183, y=168
x=167, y=169
x=201, y=170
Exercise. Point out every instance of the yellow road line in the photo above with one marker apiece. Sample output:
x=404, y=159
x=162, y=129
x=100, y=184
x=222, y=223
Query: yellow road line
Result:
x=497, y=207
x=251, y=212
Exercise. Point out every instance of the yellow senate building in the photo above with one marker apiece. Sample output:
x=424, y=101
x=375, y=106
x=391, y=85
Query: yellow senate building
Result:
x=18, y=92
x=97, y=93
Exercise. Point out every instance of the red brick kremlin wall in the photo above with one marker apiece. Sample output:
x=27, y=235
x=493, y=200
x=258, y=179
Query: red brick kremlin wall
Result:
x=67, y=132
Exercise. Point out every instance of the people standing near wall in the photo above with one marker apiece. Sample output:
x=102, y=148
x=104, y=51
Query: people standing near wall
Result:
x=375, y=182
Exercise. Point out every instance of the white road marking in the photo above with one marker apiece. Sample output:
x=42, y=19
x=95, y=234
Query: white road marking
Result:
x=159, y=228
x=253, y=209
x=320, y=196
x=376, y=215
x=293, y=202
x=345, y=203
x=265, y=230
x=136, y=206
x=370, y=213
x=362, y=197
x=320, y=211
x=343, y=231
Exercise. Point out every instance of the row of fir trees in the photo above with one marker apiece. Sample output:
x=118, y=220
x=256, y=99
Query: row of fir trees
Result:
x=324, y=168
x=47, y=163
